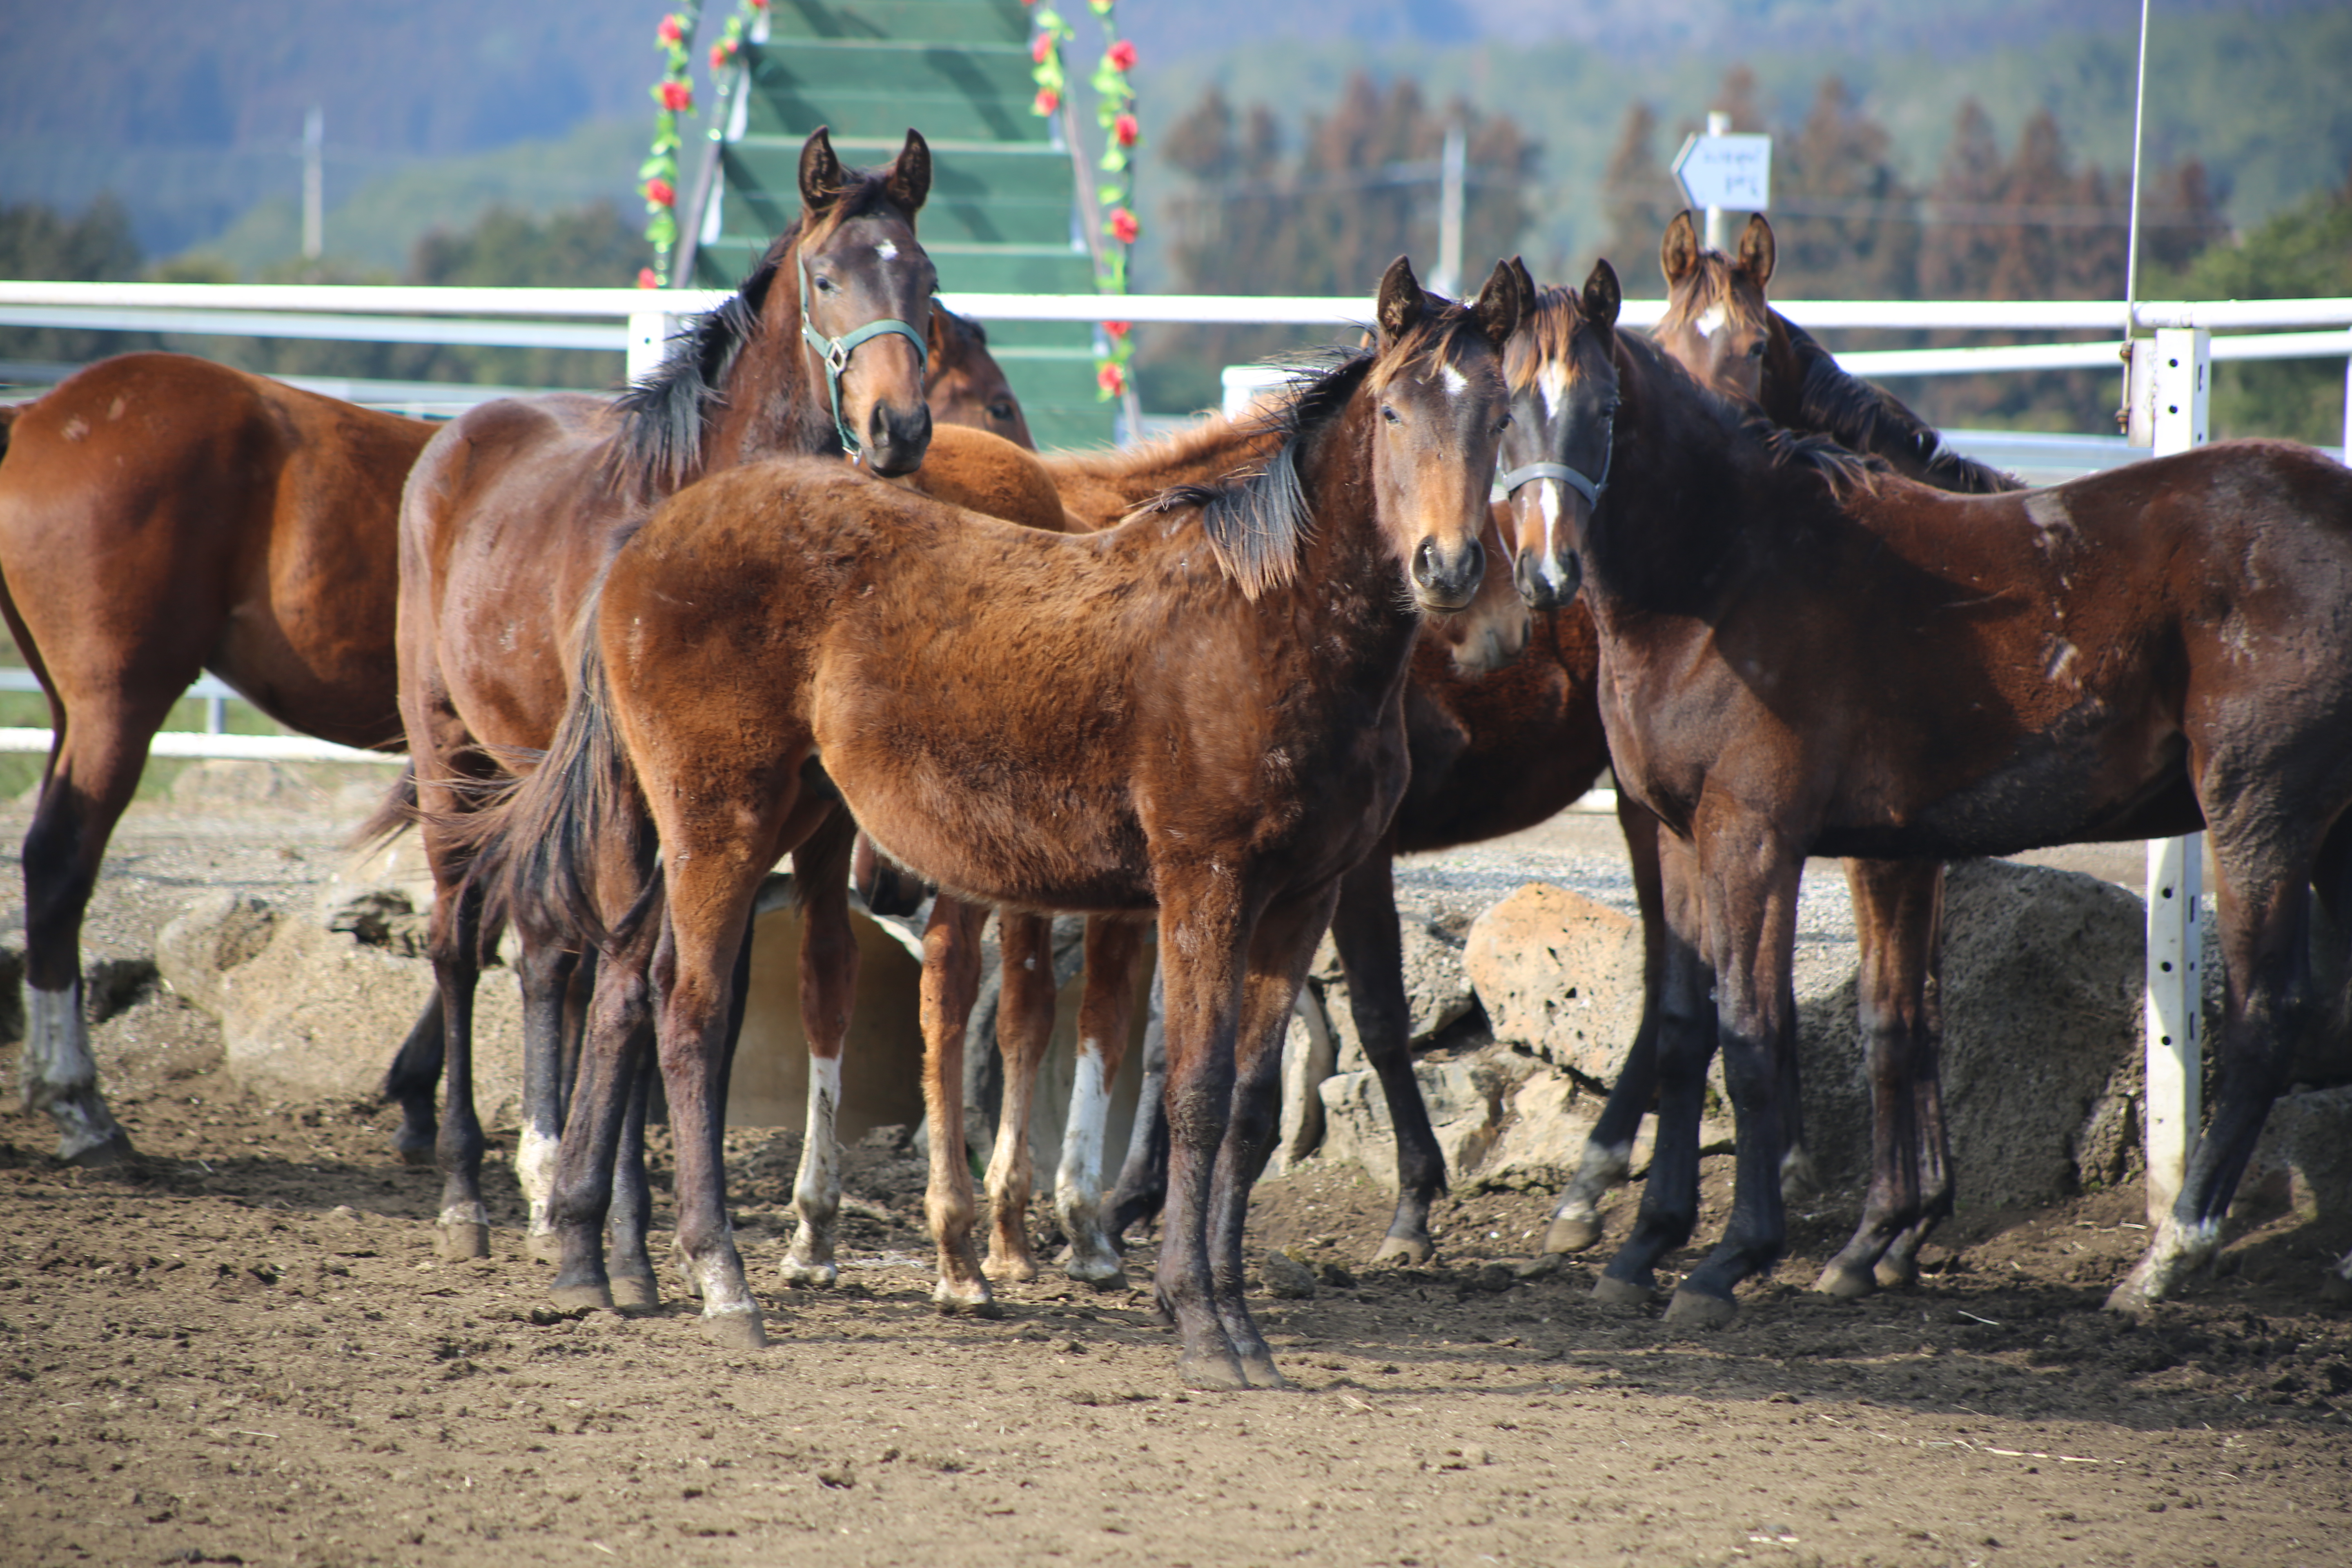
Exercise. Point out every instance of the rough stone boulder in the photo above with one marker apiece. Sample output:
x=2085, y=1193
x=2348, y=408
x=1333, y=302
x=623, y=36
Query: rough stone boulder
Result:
x=1560, y=974
x=216, y=934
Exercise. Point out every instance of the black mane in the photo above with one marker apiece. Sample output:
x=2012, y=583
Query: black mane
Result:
x=1842, y=466
x=1868, y=418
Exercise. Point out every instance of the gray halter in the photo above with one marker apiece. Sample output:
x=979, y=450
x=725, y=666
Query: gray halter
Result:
x=1528, y=473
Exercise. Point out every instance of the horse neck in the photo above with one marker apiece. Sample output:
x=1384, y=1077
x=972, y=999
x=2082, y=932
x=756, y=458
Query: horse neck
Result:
x=1784, y=390
x=1118, y=482
x=772, y=401
x=1349, y=579
x=1669, y=520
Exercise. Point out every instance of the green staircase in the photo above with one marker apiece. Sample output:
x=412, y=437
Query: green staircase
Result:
x=1000, y=218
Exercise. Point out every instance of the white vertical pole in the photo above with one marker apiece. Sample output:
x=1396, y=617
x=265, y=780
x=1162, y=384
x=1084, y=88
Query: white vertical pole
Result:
x=314, y=184
x=1719, y=123
x=1450, y=180
x=2346, y=450
x=649, y=333
x=2176, y=866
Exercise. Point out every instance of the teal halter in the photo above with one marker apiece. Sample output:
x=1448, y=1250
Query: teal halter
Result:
x=835, y=352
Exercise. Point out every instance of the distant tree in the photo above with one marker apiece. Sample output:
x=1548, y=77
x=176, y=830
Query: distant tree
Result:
x=1844, y=218
x=95, y=247
x=1640, y=197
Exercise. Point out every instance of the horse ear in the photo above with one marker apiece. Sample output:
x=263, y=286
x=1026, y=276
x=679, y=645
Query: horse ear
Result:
x=1757, y=250
x=1601, y=295
x=1402, y=302
x=1678, y=252
x=822, y=179
x=1501, y=304
x=910, y=173
x=1527, y=283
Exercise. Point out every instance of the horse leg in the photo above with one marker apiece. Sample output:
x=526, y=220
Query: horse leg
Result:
x=614, y=1051
x=1364, y=929
x=544, y=972
x=463, y=1230
x=410, y=1083
x=1684, y=1035
x=1899, y=1270
x=828, y=976
x=629, y=1262
x=1750, y=899
x=1113, y=948
x=950, y=986
x=738, y=998
x=1143, y=1174
x=2265, y=940
x=1201, y=941
x=1895, y=906
x=93, y=771
x=1025, y=1027
x=1609, y=1147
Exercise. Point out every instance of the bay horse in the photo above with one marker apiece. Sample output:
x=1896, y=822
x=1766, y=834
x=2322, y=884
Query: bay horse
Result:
x=1193, y=714
x=1719, y=326
x=162, y=516
x=1804, y=653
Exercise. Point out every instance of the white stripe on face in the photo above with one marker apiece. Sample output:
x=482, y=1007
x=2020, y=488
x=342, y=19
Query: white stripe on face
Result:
x=1452, y=380
x=1553, y=383
x=887, y=250
x=1548, y=497
x=1711, y=321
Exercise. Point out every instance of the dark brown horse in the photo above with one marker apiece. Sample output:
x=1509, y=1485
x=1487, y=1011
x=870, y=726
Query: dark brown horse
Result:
x=1195, y=713
x=1719, y=326
x=163, y=516
x=1802, y=653
x=964, y=383
x=507, y=521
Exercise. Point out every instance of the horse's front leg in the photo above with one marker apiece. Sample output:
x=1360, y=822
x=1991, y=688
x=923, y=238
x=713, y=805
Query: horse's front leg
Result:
x=1200, y=961
x=545, y=973
x=1143, y=1176
x=411, y=1080
x=1281, y=950
x=609, y=1086
x=1609, y=1147
x=1897, y=910
x=951, y=985
x=828, y=975
x=462, y=1229
x=1749, y=877
x=1025, y=1027
x=1114, y=947
x=1364, y=929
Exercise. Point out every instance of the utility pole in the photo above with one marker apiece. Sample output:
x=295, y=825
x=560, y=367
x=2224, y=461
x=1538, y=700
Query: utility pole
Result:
x=314, y=184
x=1719, y=123
x=1451, y=177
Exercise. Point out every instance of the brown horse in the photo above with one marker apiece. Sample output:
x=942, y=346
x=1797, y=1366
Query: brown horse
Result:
x=162, y=516
x=965, y=385
x=1802, y=653
x=1719, y=327
x=510, y=516
x=1194, y=713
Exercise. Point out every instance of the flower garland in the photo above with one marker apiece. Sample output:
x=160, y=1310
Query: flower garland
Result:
x=1115, y=113
x=658, y=175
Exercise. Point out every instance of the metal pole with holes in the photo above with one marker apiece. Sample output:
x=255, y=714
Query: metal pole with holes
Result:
x=2178, y=392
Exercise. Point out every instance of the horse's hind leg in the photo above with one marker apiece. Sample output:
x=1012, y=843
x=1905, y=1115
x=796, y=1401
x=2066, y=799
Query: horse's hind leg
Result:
x=1112, y=948
x=1896, y=906
x=1143, y=1174
x=463, y=1230
x=1025, y=1027
x=950, y=984
x=410, y=1083
x=545, y=974
x=1364, y=929
x=612, y=1051
x=1201, y=956
x=1609, y=1147
x=828, y=972
x=629, y=1263
x=92, y=774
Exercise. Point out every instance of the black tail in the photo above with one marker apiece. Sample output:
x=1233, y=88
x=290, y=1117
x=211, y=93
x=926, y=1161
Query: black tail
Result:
x=395, y=811
x=557, y=849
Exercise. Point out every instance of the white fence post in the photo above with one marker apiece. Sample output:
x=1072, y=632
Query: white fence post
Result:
x=649, y=333
x=2179, y=390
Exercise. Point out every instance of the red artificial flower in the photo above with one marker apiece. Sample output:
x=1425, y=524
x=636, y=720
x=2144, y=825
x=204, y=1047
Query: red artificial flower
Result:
x=648, y=277
x=670, y=31
x=1125, y=131
x=1118, y=329
x=1111, y=379
x=660, y=192
x=1047, y=101
x=1041, y=47
x=1123, y=226
x=678, y=97
x=721, y=53
x=1121, y=56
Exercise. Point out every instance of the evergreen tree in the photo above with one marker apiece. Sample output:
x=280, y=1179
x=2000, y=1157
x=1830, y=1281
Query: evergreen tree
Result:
x=96, y=246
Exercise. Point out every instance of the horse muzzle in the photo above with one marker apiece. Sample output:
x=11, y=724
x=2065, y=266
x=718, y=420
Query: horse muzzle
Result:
x=896, y=440
x=1546, y=582
x=1446, y=581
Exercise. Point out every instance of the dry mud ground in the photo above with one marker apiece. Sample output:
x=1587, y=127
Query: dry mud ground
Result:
x=241, y=1351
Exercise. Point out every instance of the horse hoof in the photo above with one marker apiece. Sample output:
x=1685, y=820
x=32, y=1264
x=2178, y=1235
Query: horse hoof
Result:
x=1406, y=1249
x=1567, y=1234
x=973, y=1301
x=1903, y=1276
x=1259, y=1372
x=580, y=1297
x=109, y=1151
x=1798, y=1181
x=1845, y=1284
x=1103, y=1274
x=1009, y=1270
x=543, y=1246
x=1624, y=1295
x=416, y=1154
x=2334, y=1288
x=636, y=1293
x=1217, y=1374
x=461, y=1241
x=810, y=1276
x=1696, y=1310
x=736, y=1330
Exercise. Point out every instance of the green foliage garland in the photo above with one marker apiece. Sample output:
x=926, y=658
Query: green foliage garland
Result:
x=1115, y=113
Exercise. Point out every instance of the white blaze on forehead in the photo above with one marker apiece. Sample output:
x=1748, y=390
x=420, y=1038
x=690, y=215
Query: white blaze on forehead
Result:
x=1710, y=320
x=887, y=250
x=1552, y=382
x=1452, y=380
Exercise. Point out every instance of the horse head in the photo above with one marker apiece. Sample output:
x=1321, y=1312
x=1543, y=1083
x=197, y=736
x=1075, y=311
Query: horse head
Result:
x=1442, y=409
x=966, y=386
x=863, y=288
x=1562, y=371
x=1716, y=322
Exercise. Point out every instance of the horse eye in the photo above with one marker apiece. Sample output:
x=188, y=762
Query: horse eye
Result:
x=1504, y=426
x=823, y=284
x=1000, y=410
x=1755, y=350
x=1390, y=415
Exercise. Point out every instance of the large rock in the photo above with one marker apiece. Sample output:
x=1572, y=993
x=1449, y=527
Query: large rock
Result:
x=1467, y=1097
x=2304, y=1158
x=1559, y=974
x=216, y=934
x=1437, y=990
x=1309, y=1055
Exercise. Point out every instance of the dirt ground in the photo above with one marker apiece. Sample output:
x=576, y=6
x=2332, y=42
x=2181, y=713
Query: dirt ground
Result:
x=242, y=1351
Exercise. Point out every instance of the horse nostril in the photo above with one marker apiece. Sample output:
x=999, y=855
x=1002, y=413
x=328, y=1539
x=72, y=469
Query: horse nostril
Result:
x=1473, y=561
x=1425, y=561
